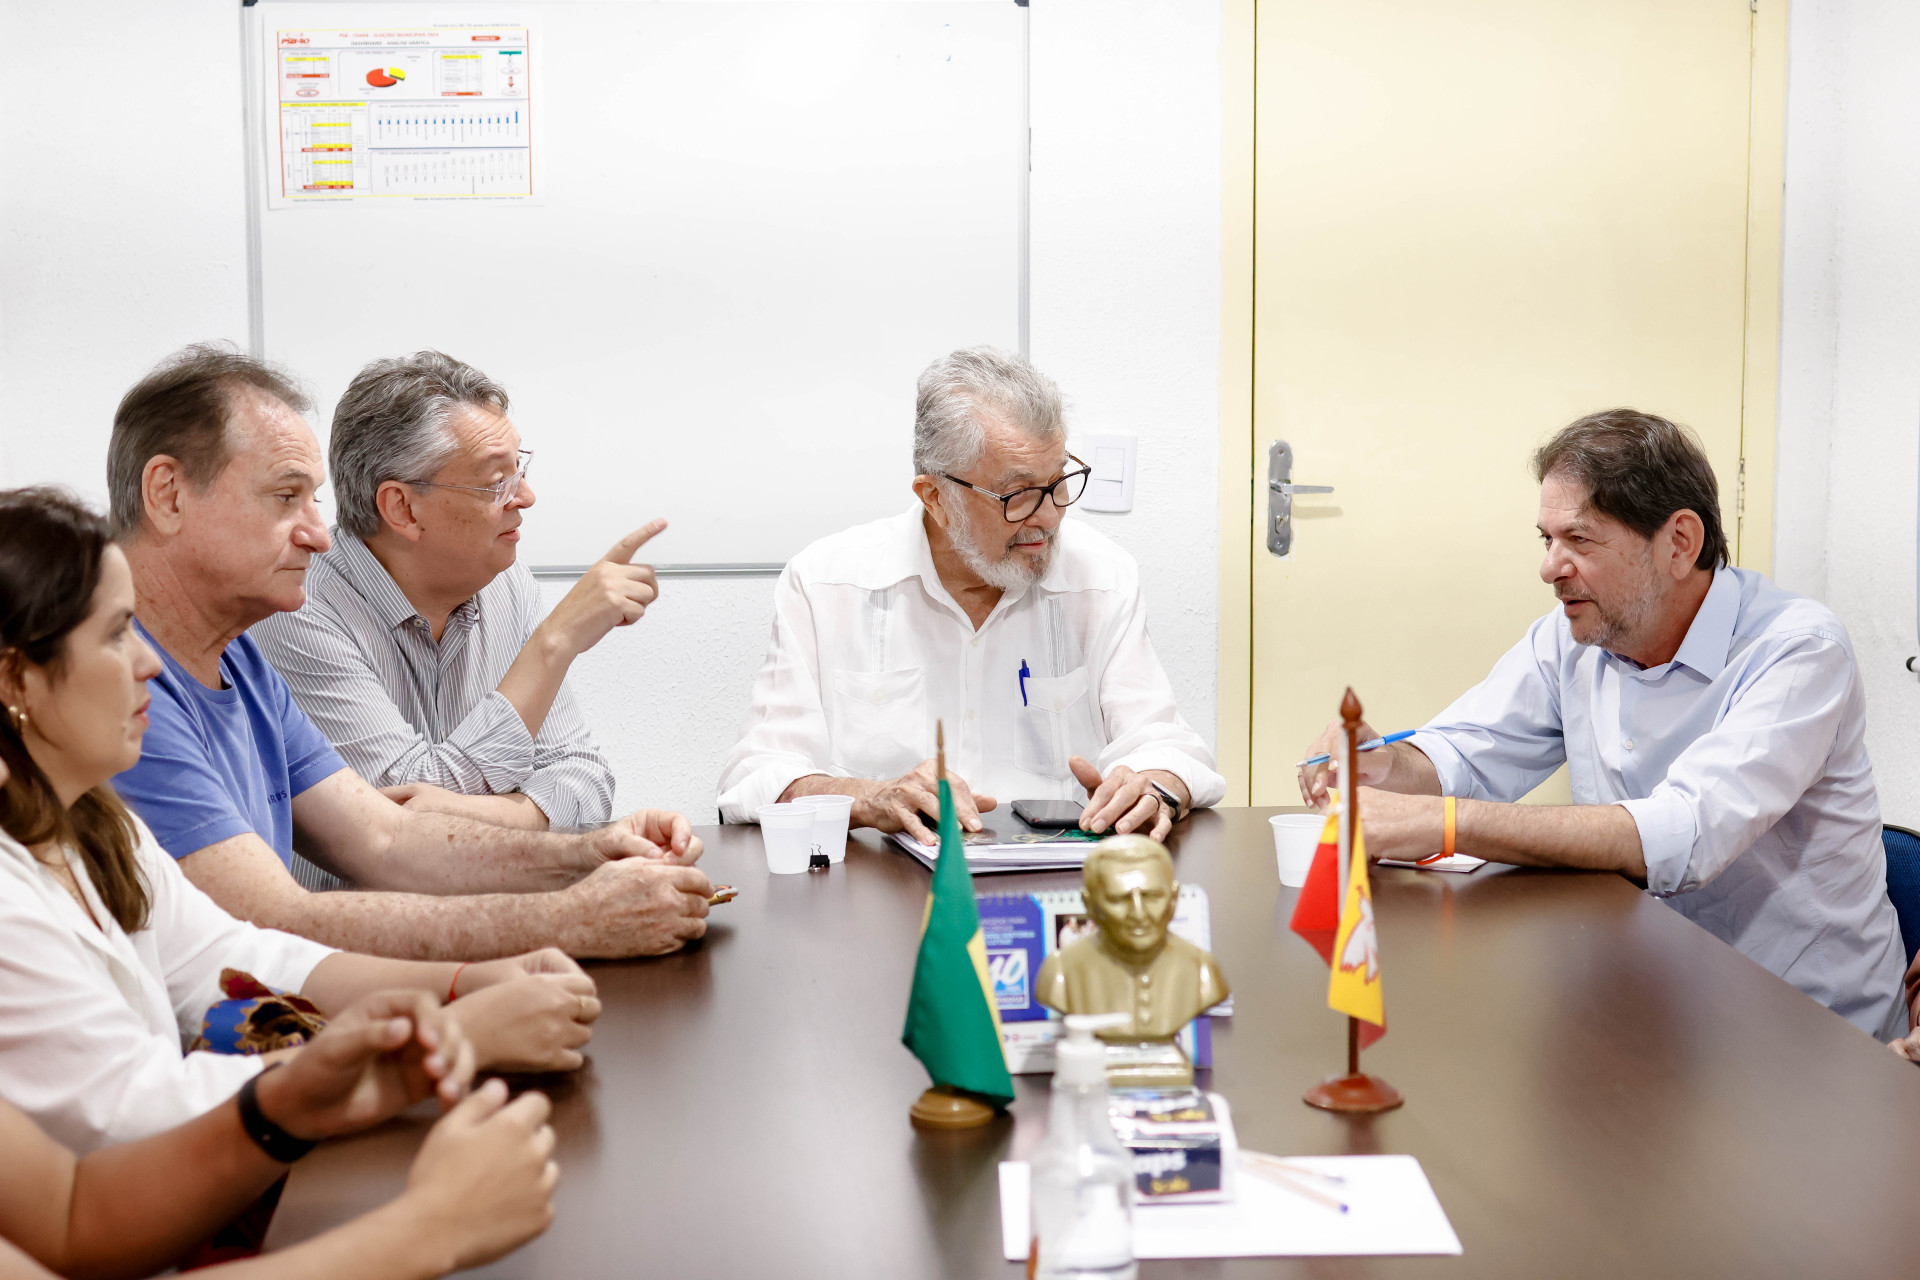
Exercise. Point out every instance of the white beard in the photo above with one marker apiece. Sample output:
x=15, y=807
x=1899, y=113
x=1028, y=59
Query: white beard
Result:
x=1010, y=572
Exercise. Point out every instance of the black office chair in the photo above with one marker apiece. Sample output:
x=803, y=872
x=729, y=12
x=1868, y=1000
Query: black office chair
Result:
x=1903, y=881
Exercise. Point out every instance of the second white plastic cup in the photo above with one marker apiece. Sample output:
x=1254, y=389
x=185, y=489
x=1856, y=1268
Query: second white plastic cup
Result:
x=787, y=832
x=1295, y=837
x=832, y=815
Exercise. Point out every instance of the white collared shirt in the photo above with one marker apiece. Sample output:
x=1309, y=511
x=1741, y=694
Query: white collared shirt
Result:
x=869, y=650
x=1744, y=764
x=93, y=1020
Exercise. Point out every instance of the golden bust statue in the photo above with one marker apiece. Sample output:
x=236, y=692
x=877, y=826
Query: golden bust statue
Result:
x=1134, y=965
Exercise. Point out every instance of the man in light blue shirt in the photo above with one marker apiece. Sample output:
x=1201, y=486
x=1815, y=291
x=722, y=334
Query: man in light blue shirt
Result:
x=1713, y=726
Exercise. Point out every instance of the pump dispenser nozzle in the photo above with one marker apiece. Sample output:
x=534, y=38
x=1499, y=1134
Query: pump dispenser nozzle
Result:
x=1080, y=1058
x=1083, y=1179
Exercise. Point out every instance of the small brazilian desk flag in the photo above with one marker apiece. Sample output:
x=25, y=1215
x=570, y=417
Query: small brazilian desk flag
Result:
x=953, y=1022
x=1343, y=933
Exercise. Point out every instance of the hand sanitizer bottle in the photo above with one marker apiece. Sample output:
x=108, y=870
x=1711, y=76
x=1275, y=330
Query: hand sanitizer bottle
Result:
x=1082, y=1176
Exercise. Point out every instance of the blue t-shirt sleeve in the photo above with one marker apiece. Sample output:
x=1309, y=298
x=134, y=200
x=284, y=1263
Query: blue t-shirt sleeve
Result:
x=225, y=763
x=310, y=757
x=176, y=787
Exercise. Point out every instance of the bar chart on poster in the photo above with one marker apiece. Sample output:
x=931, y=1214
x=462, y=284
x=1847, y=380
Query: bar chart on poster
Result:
x=706, y=245
x=386, y=111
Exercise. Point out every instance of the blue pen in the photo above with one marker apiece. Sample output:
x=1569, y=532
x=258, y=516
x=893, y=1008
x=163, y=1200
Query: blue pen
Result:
x=1024, y=673
x=1369, y=745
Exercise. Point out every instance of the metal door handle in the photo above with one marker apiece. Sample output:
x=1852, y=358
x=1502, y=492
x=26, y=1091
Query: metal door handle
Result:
x=1280, y=491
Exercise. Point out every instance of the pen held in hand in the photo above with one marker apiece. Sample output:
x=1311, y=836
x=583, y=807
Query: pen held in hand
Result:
x=1371, y=744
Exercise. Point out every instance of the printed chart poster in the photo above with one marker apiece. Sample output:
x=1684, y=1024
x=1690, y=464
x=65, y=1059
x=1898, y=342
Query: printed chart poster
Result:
x=431, y=112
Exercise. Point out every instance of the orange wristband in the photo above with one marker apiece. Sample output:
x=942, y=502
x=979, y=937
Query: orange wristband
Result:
x=1446, y=838
x=451, y=986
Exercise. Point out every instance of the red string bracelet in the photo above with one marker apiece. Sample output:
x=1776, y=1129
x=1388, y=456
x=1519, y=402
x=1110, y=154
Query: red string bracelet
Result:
x=451, y=986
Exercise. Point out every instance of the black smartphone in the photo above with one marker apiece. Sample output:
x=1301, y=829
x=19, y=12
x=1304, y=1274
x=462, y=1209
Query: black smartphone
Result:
x=1048, y=814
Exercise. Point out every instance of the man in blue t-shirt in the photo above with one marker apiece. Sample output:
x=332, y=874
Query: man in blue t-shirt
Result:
x=219, y=763
x=212, y=474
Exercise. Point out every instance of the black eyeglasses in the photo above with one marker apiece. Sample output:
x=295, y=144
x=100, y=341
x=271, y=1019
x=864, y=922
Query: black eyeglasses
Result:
x=1022, y=503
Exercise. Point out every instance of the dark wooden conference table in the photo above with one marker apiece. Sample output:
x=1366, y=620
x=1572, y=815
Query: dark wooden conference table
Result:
x=1595, y=1087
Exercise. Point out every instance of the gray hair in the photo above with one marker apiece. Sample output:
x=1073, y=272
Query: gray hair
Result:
x=391, y=424
x=181, y=411
x=956, y=390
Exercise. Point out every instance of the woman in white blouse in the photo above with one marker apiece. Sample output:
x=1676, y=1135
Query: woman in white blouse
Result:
x=109, y=956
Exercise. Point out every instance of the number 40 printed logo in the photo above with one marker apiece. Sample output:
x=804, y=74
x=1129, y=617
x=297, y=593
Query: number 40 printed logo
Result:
x=1008, y=969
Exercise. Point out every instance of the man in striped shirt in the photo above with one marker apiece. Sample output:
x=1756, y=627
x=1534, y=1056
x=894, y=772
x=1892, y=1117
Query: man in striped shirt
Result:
x=421, y=652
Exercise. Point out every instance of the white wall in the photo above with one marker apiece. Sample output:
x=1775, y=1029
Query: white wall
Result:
x=1849, y=436
x=665, y=696
x=1126, y=286
x=113, y=253
x=122, y=228
x=1125, y=316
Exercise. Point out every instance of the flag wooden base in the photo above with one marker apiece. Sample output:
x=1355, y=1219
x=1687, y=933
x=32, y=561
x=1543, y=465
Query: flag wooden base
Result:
x=944, y=1108
x=1354, y=1094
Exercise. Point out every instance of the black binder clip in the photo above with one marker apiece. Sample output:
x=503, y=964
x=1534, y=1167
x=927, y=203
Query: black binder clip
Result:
x=818, y=861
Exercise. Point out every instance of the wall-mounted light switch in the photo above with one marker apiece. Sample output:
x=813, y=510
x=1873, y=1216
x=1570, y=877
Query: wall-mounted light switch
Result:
x=1110, y=487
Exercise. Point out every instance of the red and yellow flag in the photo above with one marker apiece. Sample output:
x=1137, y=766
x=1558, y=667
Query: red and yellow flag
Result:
x=1343, y=933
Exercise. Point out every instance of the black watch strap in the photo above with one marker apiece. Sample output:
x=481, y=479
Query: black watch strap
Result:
x=1167, y=798
x=268, y=1136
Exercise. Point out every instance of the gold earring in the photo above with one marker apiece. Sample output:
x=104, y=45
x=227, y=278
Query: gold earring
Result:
x=19, y=717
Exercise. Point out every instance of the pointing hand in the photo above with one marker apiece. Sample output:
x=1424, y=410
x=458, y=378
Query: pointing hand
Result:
x=613, y=593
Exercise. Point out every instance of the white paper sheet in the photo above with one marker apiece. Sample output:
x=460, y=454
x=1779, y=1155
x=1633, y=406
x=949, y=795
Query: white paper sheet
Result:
x=1391, y=1210
x=1457, y=862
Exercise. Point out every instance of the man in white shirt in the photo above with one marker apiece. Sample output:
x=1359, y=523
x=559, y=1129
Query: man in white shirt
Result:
x=1713, y=726
x=982, y=608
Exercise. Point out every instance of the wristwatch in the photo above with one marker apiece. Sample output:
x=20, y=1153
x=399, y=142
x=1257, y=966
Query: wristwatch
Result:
x=269, y=1137
x=1167, y=798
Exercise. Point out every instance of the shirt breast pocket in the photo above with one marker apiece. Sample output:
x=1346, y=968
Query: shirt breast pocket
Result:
x=1051, y=723
x=879, y=722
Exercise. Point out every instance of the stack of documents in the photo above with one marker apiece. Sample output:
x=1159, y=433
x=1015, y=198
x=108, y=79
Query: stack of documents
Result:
x=1029, y=851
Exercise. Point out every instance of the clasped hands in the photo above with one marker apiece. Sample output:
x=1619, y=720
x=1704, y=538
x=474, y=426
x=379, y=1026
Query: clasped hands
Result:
x=532, y=1012
x=485, y=1175
x=388, y=1050
x=660, y=834
x=1123, y=801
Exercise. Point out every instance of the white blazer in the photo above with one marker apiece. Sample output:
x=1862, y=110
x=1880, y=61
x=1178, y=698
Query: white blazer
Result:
x=93, y=1020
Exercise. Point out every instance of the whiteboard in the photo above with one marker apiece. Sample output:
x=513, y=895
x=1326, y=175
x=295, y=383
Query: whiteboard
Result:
x=753, y=225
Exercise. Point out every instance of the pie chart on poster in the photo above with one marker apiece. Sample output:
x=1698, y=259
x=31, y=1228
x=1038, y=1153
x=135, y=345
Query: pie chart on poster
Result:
x=385, y=78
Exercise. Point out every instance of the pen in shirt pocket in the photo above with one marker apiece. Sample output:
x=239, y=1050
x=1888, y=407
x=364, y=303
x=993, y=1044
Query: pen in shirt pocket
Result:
x=1024, y=673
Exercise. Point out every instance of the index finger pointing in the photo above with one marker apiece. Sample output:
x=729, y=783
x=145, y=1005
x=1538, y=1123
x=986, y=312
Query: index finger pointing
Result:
x=623, y=550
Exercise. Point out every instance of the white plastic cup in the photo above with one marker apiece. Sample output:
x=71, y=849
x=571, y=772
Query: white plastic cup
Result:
x=1295, y=837
x=832, y=815
x=787, y=832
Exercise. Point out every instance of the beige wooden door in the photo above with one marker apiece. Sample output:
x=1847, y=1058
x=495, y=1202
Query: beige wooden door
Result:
x=1474, y=221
